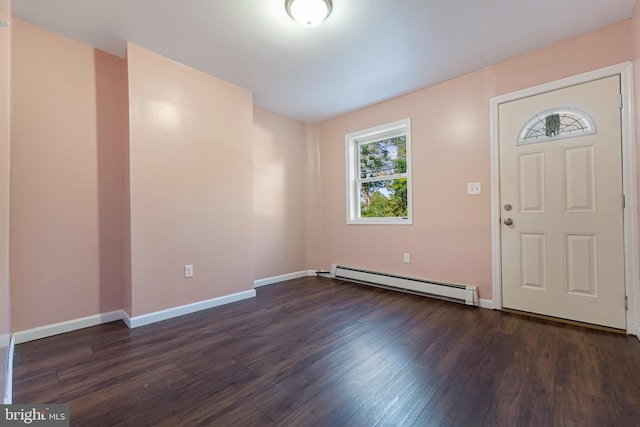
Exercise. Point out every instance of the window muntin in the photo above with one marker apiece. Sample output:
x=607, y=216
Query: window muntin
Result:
x=378, y=175
x=555, y=124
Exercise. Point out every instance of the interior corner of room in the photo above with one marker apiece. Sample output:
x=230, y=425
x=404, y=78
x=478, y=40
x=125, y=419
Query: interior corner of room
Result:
x=136, y=187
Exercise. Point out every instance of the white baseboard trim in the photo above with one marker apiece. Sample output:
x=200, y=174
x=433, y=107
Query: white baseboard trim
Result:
x=147, y=319
x=486, y=303
x=638, y=333
x=132, y=322
x=8, y=378
x=126, y=318
x=68, y=326
x=277, y=279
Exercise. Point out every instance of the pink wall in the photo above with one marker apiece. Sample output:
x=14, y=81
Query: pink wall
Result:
x=635, y=32
x=450, y=238
x=313, y=197
x=191, y=176
x=635, y=48
x=589, y=51
x=112, y=129
x=66, y=179
x=279, y=189
x=5, y=120
x=127, y=290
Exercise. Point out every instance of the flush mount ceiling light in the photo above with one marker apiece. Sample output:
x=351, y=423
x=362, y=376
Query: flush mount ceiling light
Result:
x=308, y=13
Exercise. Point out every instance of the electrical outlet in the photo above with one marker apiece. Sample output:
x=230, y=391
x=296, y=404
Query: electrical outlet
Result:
x=474, y=188
x=406, y=258
x=188, y=270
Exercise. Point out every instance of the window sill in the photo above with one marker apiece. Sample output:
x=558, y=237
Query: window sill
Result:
x=380, y=221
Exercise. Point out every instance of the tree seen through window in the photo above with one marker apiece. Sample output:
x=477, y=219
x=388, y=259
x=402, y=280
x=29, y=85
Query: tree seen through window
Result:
x=383, y=177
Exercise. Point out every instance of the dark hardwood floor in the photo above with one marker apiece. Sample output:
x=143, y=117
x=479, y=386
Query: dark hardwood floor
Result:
x=319, y=352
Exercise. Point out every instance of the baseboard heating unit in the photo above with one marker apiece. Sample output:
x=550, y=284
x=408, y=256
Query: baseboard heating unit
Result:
x=466, y=294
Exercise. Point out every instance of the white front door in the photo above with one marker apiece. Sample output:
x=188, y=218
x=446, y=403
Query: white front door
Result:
x=562, y=204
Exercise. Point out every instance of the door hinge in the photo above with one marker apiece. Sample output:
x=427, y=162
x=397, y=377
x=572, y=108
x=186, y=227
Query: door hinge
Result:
x=626, y=302
x=624, y=201
x=620, y=101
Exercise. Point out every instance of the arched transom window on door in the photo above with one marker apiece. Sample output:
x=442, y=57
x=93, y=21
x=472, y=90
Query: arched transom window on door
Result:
x=559, y=123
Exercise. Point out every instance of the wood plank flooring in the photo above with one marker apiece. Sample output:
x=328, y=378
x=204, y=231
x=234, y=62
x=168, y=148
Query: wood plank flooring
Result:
x=321, y=352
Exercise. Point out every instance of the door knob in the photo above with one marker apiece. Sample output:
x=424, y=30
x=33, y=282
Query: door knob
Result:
x=508, y=221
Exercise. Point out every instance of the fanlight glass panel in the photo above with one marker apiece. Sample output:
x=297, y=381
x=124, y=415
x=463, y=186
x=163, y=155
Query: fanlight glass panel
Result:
x=556, y=124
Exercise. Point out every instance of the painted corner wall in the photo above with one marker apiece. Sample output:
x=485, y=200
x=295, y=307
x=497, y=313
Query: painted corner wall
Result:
x=68, y=142
x=280, y=176
x=5, y=138
x=313, y=198
x=450, y=239
x=635, y=32
x=191, y=184
x=127, y=291
x=635, y=49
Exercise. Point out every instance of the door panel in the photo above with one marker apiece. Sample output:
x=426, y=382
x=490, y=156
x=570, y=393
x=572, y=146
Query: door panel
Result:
x=563, y=253
x=582, y=264
x=531, y=182
x=579, y=180
x=533, y=260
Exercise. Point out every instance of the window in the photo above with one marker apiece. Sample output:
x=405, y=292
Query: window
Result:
x=556, y=124
x=379, y=174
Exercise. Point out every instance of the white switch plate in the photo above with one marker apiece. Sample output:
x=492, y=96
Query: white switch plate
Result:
x=406, y=258
x=474, y=188
x=188, y=270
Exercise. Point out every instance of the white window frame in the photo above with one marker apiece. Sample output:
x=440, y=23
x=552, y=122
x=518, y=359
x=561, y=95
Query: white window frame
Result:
x=352, y=140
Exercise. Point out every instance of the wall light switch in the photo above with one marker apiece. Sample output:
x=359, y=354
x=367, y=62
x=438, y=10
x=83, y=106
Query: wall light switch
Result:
x=188, y=270
x=406, y=258
x=474, y=188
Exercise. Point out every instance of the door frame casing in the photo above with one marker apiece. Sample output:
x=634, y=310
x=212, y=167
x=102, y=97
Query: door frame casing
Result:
x=629, y=181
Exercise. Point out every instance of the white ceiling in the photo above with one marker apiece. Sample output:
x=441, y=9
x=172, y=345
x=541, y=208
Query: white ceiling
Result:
x=367, y=51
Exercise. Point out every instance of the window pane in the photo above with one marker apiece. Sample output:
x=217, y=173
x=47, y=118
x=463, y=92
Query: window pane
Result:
x=384, y=157
x=556, y=124
x=378, y=174
x=384, y=198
